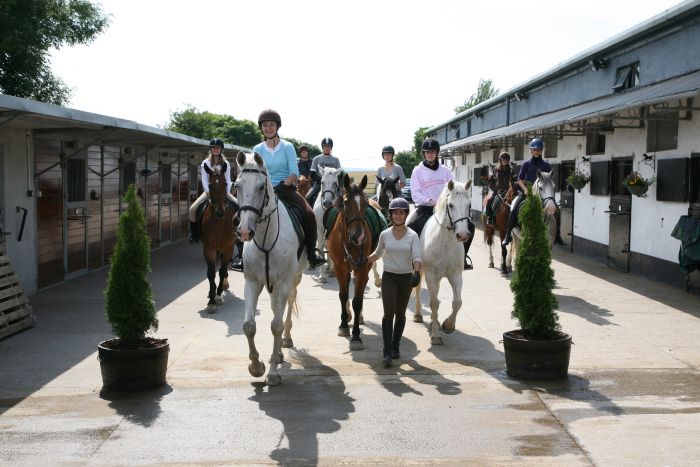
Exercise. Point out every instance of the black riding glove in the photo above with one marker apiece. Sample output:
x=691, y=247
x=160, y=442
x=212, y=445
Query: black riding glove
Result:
x=415, y=279
x=362, y=261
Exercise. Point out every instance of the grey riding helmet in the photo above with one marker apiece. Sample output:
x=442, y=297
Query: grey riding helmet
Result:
x=399, y=203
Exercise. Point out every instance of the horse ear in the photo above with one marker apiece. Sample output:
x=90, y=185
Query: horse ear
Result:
x=321, y=170
x=224, y=167
x=240, y=158
x=539, y=173
x=450, y=185
x=380, y=179
x=363, y=183
x=258, y=159
x=468, y=185
x=346, y=182
x=208, y=170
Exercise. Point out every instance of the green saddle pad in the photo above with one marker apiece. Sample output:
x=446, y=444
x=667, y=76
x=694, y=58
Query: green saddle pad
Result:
x=375, y=219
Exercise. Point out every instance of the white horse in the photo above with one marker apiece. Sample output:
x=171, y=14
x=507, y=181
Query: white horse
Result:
x=442, y=254
x=331, y=188
x=543, y=187
x=269, y=260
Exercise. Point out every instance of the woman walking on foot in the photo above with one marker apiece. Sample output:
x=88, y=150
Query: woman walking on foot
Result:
x=400, y=247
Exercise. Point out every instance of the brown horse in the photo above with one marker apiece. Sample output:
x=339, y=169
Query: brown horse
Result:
x=349, y=245
x=303, y=185
x=217, y=236
x=500, y=222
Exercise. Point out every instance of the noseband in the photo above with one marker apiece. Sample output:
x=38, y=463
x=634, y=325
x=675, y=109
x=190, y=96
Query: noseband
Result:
x=453, y=224
x=265, y=202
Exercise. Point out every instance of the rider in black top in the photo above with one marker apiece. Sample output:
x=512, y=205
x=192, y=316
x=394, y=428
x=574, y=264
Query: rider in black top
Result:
x=503, y=174
x=304, y=162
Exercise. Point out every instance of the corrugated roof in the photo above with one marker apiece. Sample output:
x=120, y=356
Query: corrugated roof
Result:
x=674, y=88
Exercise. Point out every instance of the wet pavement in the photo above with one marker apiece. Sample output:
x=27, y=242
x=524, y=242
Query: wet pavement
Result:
x=632, y=396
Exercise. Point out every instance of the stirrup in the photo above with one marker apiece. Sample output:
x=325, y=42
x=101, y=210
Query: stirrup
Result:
x=489, y=220
x=237, y=265
x=468, y=263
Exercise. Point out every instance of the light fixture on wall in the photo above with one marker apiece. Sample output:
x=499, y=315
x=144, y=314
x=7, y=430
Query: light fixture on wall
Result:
x=649, y=160
x=520, y=96
x=597, y=63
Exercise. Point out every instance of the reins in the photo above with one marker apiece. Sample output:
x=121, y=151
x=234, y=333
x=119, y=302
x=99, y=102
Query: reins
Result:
x=453, y=224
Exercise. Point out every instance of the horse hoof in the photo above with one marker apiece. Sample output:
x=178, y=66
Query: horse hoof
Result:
x=417, y=318
x=436, y=340
x=211, y=308
x=219, y=300
x=447, y=330
x=287, y=342
x=356, y=345
x=256, y=369
x=491, y=265
x=331, y=273
x=273, y=380
x=280, y=358
x=343, y=332
x=322, y=280
x=225, y=284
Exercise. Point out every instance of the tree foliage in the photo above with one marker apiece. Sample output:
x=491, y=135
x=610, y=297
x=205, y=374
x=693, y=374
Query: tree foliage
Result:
x=484, y=92
x=407, y=160
x=207, y=125
x=28, y=30
x=533, y=278
x=129, y=303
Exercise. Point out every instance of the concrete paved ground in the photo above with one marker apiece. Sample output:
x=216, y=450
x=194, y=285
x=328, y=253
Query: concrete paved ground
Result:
x=632, y=396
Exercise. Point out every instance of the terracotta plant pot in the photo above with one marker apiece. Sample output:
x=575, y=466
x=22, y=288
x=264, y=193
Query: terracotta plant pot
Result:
x=133, y=369
x=536, y=359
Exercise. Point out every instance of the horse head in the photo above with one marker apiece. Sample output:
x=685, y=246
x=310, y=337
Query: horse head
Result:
x=388, y=191
x=453, y=208
x=303, y=185
x=352, y=208
x=331, y=186
x=217, y=189
x=254, y=193
x=545, y=186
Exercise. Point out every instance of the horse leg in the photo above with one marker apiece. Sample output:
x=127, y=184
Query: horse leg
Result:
x=344, y=286
x=320, y=244
x=488, y=235
x=278, y=299
x=251, y=293
x=377, y=277
x=211, y=275
x=418, y=313
x=287, y=341
x=223, y=281
x=357, y=301
x=504, y=254
x=433, y=284
x=455, y=280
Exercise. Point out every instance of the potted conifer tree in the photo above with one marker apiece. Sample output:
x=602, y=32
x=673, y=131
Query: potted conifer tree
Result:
x=132, y=361
x=538, y=350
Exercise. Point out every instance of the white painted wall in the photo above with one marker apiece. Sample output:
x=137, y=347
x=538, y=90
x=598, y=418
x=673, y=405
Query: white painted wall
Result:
x=18, y=178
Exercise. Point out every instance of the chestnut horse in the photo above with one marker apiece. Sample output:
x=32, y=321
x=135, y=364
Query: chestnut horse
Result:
x=349, y=245
x=304, y=185
x=500, y=222
x=217, y=235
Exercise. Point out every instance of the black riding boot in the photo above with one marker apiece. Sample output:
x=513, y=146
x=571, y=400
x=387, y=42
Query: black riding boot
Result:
x=313, y=193
x=237, y=261
x=387, y=332
x=512, y=217
x=194, y=232
x=396, y=337
x=315, y=257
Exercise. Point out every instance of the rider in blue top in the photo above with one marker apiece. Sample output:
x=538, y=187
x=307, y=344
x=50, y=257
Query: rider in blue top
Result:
x=528, y=172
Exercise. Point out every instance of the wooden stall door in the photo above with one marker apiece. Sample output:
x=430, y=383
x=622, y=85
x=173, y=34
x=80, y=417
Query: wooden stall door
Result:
x=76, y=241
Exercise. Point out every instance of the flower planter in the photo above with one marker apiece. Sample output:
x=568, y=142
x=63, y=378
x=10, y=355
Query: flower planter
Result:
x=638, y=189
x=133, y=369
x=536, y=359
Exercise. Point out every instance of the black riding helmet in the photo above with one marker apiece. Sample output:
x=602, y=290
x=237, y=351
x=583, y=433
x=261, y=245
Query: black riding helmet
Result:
x=216, y=142
x=328, y=141
x=431, y=144
x=504, y=156
x=399, y=203
x=388, y=149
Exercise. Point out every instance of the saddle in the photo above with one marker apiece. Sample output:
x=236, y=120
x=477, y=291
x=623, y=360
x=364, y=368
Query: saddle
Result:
x=375, y=219
x=297, y=217
x=202, y=207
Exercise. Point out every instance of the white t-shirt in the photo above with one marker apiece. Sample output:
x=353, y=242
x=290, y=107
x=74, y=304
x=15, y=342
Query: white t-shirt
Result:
x=400, y=254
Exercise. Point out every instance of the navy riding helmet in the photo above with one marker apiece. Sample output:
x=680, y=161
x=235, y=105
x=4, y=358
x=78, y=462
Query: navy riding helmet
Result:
x=536, y=143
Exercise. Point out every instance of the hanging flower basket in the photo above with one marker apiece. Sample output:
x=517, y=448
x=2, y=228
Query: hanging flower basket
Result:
x=578, y=180
x=637, y=185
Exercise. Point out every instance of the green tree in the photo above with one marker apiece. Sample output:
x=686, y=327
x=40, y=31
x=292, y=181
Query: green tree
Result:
x=418, y=138
x=408, y=161
x=28, y=30
x=533, y=278
x=129, y=303
x=484, y=92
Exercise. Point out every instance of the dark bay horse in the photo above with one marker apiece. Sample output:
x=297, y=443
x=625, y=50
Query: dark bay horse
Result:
x=388, y=191
x=500, y=222
x=349, y=245
x=217, y=236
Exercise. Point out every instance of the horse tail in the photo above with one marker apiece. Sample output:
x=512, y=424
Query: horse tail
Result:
x=488, y=234
x=295, y=308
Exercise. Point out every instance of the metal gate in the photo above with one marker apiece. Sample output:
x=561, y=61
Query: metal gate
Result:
x=620, y=217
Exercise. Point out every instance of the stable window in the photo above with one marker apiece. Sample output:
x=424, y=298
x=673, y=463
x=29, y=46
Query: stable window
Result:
x=480, y=172
x=694, y=178
x=600, y=178
x=192, y=176
x=519, y=152
x=551, y=147
x=496, y=153
x=672, y=180
x=620, y=169
x=128, y=176
x=566, y=169
x=626, y=77
x=595, y=142
x=165, y=179
x=76, y=180
x=662, y=131
x=477, y=157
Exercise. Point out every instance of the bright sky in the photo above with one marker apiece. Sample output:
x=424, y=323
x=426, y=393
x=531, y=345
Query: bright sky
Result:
x=367, y=73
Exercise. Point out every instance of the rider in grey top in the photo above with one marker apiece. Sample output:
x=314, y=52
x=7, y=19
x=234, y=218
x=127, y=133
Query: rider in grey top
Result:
x=322, y=160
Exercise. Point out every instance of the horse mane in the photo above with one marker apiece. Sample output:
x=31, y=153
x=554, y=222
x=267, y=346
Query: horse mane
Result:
x=457, y=189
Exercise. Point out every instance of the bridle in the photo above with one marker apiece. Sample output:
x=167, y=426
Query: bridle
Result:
x=453, y=224
x=264, y=219
x=348, y=241
x=218, y=177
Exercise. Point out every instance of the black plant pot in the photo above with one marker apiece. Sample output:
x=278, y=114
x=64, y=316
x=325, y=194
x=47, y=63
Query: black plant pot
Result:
x=536, y=359
x=133, y=370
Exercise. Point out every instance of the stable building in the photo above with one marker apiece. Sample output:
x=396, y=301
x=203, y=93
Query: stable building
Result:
x=631, y=103
x=64, y=173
